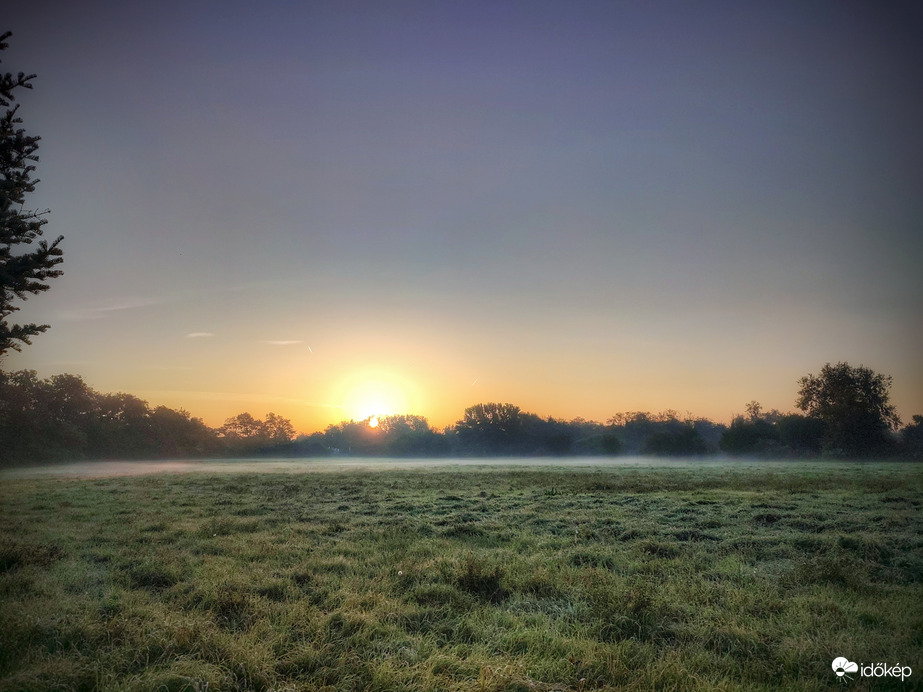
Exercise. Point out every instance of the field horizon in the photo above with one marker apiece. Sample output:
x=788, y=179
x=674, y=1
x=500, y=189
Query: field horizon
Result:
x=102, y=468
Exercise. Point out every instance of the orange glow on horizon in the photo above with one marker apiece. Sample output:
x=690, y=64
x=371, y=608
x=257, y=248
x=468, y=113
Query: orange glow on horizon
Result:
x=369, y=394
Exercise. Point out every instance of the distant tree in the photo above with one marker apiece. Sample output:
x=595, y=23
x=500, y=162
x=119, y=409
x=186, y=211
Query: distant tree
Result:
x=313, y=445
x=409, y=435
x=62, y=418
x=25, y=420
x=801, y=435
x=709, y=431
x=122, y=428
x=854, y=404
x=756, y=413
x=43, y=420
x=243, y=426
x=177, y=434
x=592, y=438
x=551, y=436
x=73, y=408
x=682, y=441
x=490, y=428
x=912, y=439
x=278, y=430
x=633, y=429
x=355, y=438
x=753, y=433
x=21, y=273
x=609, y=445
x=665, y=433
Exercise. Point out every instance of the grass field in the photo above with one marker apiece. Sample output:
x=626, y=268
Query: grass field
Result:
x=687, y=578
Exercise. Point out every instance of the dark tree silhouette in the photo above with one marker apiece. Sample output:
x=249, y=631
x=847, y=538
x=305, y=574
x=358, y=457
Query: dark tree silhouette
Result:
x=21, y=272
x=801, y=435
x=854, y=404
x=409, y=435
x=912, y=439
x=490, y=428
x=62, y=418
x=278, y=430
x=681, y=441
x=755, y=433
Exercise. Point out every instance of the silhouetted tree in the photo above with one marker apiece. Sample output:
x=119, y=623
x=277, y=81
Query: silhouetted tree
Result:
x=62, y=418
x=278, y=430
x=665, y=433
x=21, y=272
x=592, y=438
x=490, y=429
x=409, y=435
x=682, y=441
x=912, y=439
x=27, y=429
x=633, y=429
x=313, y=445
x=753, y=433
x=801, y=435
x=245, y=434
x=122, y=428
x=243, y=426
x=354, y=437
x=177, y=434
x=854, y=404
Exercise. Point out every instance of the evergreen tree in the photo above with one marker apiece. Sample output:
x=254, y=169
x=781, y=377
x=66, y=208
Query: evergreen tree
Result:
x=22, y=272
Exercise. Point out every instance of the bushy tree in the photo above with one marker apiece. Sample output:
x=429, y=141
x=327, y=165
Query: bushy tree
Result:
x=178, y=434
x=409, y=435
x=244, y=433
x=665, y=433
x=854, y=404
x=801, y=435
x=756, y=432
x=681, y=441
x=123, y=428
x=912, y=439
x=278, y=430
x=490, y=428
x=22, y=272
x=354, y=438
x=62, y=418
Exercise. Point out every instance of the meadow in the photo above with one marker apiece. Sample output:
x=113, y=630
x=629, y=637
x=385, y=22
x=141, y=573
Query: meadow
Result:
x=693, y=577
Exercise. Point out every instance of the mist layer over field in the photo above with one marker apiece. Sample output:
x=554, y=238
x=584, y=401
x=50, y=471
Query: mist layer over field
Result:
x=103, y=469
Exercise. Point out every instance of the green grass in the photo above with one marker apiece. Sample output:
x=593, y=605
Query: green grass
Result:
x=712, y=578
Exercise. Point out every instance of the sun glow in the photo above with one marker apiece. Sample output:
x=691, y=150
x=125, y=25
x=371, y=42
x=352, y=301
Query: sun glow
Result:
x=370, y=396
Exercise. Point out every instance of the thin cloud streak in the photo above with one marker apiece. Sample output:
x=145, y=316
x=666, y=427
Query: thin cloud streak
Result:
x=199, y=335
x=103, y=311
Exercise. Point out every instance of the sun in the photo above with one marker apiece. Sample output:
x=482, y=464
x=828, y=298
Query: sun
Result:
x=370, y=397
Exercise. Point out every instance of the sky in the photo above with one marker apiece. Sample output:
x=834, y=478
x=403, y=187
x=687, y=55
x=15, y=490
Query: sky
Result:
x=330, y=210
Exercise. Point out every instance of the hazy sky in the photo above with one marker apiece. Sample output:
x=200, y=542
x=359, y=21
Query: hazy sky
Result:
x=330, y=209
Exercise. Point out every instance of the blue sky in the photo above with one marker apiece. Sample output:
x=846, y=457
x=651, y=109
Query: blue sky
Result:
x=582, y=208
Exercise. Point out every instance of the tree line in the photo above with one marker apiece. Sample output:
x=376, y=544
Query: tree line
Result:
x=62, y=418
x=845, y=412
